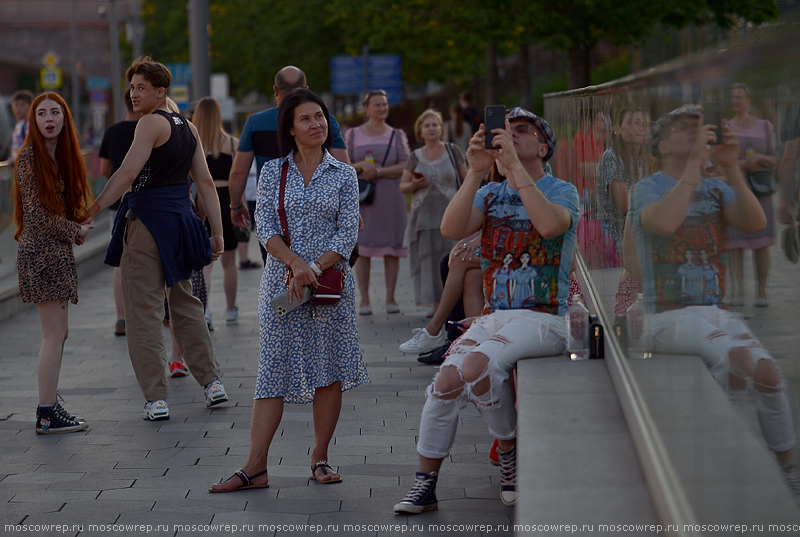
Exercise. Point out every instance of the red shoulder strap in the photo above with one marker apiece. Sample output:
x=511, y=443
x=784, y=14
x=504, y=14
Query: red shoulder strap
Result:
x=281, y=210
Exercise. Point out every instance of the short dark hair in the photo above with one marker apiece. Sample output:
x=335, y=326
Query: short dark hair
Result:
x=23, y=95
x=154, y=72
x=297, y=97
x=283, y=85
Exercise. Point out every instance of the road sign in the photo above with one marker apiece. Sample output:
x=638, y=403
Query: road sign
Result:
x=50, y=59
x=385, y=72
x=97, y=96
x=98, y=83
x=181, y=72
x=180, y=94
x=51, y=77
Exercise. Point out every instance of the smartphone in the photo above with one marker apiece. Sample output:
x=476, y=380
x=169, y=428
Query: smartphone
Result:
x=281, y=303
x=494, y=118
x=417, y=175
x=712, y=116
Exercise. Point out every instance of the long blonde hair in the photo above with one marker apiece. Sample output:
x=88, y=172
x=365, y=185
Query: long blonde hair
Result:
x=208, y=120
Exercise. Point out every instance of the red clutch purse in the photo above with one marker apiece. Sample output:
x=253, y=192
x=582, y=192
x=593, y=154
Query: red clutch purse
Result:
x=329, y=290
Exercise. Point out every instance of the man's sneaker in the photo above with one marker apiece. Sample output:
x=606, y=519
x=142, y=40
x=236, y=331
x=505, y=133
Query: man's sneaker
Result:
x=51, y=421
x=210, y=324
x=156, y=410
x=421, y=497
x=494, y=459
x=232, y=316
x=791, y=474
x=119, y=328
x=508, y=475
x=215, y=394
x=423, y=342
x=178, y=369
x=434, y=357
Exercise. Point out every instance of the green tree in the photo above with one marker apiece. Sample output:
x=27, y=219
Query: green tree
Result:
x=442, y=40
x=250, y=41
x=577, y=26
x=448, y=38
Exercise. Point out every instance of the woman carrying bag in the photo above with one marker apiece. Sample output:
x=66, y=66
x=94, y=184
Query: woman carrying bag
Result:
x=310, y=354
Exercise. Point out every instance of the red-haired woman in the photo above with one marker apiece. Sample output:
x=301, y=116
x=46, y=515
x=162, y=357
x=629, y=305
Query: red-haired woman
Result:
x=51, y=194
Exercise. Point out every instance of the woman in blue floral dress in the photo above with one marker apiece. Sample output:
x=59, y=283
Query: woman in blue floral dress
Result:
x=311, y=354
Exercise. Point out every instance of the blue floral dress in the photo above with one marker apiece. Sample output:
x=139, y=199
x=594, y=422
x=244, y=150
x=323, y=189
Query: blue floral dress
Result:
x=313, y=345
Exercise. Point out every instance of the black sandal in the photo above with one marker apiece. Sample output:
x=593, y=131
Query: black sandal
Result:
x=325, y=467
x=246, y=482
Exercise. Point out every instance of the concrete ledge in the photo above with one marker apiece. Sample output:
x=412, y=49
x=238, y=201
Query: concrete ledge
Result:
x=727, y=474
x=576, y=463
x=89, y=258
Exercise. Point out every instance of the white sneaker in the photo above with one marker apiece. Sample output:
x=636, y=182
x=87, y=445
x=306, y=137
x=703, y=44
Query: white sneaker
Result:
x=156, y=410
x=232, y=316
x=207, y=315
x=423, y=342
x=215, y=394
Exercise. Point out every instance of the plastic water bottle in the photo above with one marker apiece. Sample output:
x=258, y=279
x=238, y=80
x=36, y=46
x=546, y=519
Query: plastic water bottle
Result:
x=577, y=329
x=640, y=330
x=369, y=157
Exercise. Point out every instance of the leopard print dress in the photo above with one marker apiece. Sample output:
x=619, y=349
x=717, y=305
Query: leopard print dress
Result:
x=45, y=262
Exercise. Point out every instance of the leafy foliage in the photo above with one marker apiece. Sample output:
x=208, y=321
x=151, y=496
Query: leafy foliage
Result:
x=441, y=40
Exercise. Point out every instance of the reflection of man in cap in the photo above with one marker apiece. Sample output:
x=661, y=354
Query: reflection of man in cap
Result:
x=680, y=207
x=529, y=211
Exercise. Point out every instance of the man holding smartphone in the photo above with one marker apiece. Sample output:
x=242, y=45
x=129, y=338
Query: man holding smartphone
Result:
x=677, y=212
x=531, y=214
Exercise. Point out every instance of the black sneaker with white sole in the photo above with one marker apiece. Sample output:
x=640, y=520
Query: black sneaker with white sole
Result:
x=421, y=497
x=508, y=476
x=51, y=421
x=434, y=357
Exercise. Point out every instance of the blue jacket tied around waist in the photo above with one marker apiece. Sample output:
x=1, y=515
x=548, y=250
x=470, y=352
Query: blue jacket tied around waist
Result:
x=180, y=236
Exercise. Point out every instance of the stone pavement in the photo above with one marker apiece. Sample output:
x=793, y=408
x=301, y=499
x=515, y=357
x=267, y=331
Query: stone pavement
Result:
x=126, y=476
x=125, y=472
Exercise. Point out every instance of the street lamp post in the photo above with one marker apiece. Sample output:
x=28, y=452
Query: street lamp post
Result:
x=116, y=76
x=198, y=37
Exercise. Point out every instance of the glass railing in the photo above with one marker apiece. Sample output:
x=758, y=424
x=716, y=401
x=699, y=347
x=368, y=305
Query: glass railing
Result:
x=682, y=241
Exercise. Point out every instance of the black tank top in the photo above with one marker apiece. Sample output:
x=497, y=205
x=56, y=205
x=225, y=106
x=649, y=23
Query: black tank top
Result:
x=169, y=164
x=220, y=167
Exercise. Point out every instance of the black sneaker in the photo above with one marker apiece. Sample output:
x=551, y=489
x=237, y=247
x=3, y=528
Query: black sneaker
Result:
x=421, y=497
x=508, y=475
x=434, y=357
x=66, y=415
x=63, y=411
x=50, y=421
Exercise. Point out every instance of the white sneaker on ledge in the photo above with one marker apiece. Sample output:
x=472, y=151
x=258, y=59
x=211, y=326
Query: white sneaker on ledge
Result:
x=423, y=342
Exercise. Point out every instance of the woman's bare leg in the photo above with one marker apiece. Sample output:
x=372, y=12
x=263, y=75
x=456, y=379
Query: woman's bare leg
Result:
x=230, y=278
x=54, y=319
x=326, y=409
x=267, y=414
x=362, y=269
x=391, y=267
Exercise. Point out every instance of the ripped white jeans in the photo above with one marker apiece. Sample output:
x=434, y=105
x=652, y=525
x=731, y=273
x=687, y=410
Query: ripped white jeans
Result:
x=714, y=334
x=504, y=337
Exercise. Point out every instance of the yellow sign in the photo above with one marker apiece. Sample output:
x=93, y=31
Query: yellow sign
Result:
x=51, y=59
x=179, y=93
x=51, y=77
